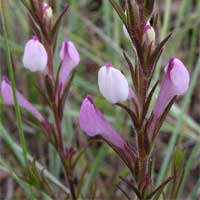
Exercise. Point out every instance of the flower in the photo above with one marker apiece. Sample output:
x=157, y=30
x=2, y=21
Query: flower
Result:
x=7, y=96
x=35, y=55
x=175, y=83
x=113, y=85
x=70, y=59
x=93, y=123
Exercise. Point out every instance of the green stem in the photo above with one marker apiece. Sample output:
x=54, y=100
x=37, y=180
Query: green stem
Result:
x=11, y=76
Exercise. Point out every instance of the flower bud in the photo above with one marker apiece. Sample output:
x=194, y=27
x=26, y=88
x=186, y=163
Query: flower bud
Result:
x=7, y=96
x=175, y=83
x=47, y=12
x=35, y=55
x=93, y=123
x=149, y=35
x=113, y=85
x=70, y=59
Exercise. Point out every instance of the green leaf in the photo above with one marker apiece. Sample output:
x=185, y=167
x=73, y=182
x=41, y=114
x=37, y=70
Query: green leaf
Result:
x=119, y=10
x=156, y=53
x=58, y=21
x=178, y=159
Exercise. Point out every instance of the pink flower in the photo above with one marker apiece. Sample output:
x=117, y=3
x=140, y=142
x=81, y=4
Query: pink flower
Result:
x=113, y=85
x=35, y=55
x=70, y=59
x=93, y=123
x=175, y=83
x=7, y=96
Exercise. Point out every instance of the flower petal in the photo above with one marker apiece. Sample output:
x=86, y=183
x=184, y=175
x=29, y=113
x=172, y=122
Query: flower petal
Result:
x=7, y=96
x=113, y=85
x=92, y=121
x=70, y=59
x=35, y=55
x=175, y=83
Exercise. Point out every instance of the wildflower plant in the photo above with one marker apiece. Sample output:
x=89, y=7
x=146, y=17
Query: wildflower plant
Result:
x=38, y=57
x=137, y=153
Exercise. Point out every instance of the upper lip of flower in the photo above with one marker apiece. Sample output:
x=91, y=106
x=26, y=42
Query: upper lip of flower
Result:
x=113, y=85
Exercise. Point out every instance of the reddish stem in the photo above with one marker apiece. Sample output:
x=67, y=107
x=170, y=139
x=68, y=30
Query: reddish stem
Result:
x=50, y=60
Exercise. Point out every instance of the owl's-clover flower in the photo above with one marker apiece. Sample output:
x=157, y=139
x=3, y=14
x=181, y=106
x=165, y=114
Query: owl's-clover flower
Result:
x=69, y=60
x=7, y=97
x=93, y=123
x=35, y=56
x=175, y=83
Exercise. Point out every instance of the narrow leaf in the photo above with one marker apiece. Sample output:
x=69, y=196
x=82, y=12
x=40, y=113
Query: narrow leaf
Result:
x=158, y=49
x=131, y=68
x=124, y=192
x=57, y=23
x=119, y=10
x=160, y=187
x=130, y=184
x=147, y=102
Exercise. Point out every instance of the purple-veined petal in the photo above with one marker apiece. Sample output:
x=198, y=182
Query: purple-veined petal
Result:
x=93, y=123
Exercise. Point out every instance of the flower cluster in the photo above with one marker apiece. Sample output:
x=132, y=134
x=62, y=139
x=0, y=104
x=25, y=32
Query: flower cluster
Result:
x=35, y=59
x=39, y=57
x=115, y=88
